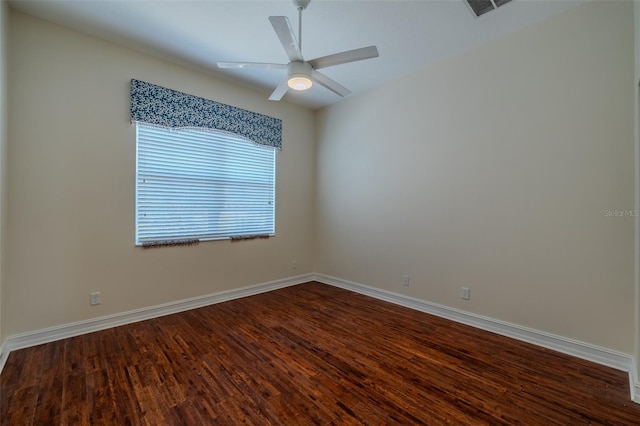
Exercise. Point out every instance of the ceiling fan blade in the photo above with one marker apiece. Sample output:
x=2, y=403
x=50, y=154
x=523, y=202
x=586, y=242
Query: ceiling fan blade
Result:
x=345, y=57
x=252, y=65
x=287, y=37
x=330, y=84
x=280, y=90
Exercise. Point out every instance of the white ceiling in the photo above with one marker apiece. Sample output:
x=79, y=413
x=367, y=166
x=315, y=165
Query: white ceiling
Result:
x=410, y=34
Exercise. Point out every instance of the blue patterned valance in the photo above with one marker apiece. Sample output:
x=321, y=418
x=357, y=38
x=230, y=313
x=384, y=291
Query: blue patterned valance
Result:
x=169, y=108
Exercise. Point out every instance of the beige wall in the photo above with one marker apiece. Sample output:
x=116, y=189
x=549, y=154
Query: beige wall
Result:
x=71, y=186
x=4, y=33
x=493, y=171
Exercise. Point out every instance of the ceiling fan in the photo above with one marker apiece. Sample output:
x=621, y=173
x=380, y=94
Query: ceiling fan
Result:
x=300, y=73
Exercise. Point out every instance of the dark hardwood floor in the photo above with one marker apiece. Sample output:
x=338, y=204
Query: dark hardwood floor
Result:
x=308, y=354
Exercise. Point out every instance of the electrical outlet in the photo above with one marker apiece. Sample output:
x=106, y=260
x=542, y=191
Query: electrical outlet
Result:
x=294, y=264
x=94, y=298
x=405, y=280
x=465, y=293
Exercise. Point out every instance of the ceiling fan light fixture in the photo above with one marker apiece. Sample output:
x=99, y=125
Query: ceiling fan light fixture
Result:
x=299, y=76
x=299, y=82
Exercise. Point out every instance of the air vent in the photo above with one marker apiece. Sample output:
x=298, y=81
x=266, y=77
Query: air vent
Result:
x=480, y=7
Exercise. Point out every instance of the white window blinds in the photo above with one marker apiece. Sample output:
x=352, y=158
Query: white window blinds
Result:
x=195, y=185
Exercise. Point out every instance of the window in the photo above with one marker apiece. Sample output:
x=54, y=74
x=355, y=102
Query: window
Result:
x=204, y=170
x=201, y=185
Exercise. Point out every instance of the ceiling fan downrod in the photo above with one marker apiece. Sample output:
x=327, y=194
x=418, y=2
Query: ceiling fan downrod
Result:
x=300, y=6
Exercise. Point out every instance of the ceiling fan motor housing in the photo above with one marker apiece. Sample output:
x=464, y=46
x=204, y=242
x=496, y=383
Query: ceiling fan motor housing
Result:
x=299, y=67
x=299, y=75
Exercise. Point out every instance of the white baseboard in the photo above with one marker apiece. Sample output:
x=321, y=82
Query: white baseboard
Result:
x=4, y=354
x=576, y=348
x=634, y=386
x=64, y=331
